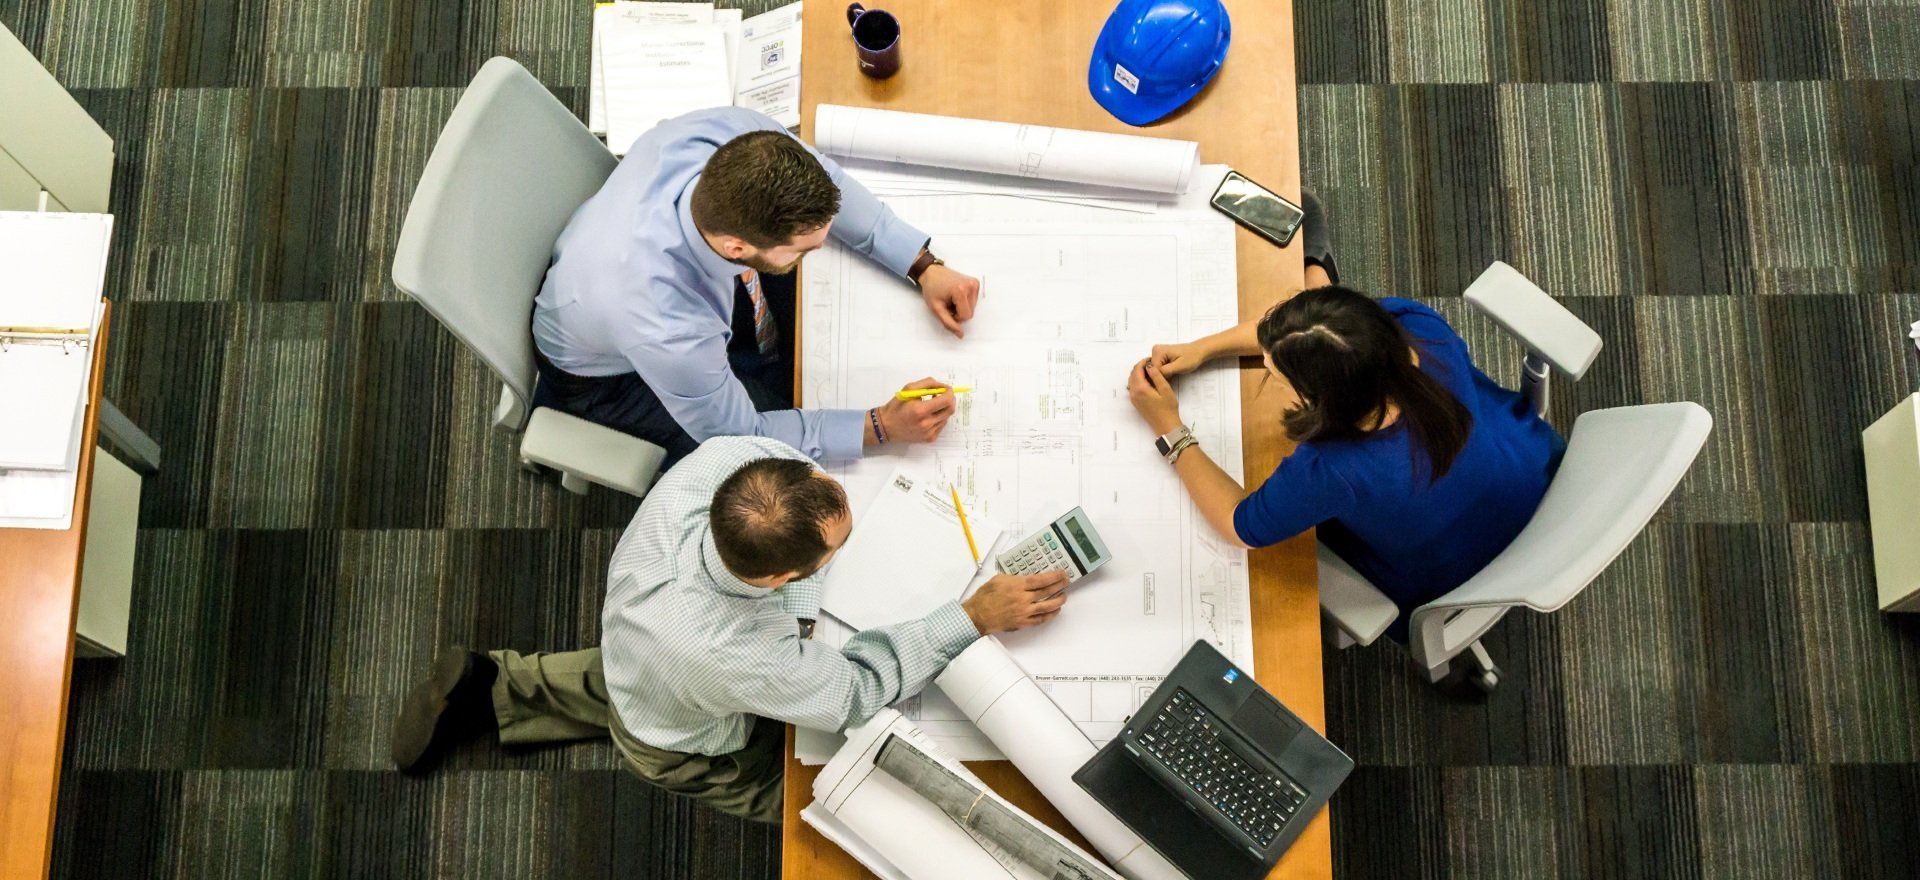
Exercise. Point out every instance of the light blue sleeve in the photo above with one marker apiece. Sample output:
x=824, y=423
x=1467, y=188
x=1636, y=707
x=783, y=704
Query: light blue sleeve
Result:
x=867, y=225
x=696, y=384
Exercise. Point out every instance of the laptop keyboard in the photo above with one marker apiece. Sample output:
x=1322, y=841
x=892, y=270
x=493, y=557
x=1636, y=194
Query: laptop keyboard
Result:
x=1186, y=738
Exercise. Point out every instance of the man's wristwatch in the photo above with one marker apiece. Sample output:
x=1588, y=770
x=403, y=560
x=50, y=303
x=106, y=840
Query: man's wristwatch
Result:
x=925, y=261
x=1172, y=443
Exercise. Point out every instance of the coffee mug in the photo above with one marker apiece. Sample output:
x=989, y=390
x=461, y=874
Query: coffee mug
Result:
x=876, y=37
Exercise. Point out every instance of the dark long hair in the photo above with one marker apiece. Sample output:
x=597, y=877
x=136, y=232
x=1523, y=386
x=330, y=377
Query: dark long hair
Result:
x=1348, y=359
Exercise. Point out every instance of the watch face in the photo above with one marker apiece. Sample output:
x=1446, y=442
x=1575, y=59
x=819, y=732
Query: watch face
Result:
x=1160, y=443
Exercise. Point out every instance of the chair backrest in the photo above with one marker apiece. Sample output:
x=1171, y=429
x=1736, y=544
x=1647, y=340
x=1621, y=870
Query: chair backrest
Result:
x=510, y=168
x=1620, y=466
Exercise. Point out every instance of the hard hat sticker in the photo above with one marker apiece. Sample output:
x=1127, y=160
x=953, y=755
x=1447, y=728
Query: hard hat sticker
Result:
x=1126, y=79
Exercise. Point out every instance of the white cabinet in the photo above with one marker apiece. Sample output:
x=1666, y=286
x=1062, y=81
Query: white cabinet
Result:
x=1893, y=501
x=106, y=577
x=46, y=133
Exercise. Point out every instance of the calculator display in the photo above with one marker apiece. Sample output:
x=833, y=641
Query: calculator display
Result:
x=1087, y=550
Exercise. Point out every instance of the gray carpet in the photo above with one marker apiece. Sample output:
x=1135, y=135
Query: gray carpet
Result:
x=1726, y=190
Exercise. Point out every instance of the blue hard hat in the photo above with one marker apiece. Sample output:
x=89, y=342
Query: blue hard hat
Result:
x=1155, y=55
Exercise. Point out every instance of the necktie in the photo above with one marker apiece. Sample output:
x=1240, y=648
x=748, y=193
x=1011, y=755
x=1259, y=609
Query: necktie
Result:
x=765, y=332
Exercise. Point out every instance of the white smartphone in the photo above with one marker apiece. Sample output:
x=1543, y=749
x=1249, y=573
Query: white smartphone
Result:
x=1258, y=208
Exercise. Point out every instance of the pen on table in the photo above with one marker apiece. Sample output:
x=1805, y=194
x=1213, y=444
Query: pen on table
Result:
x=917, y=393
x=964, y=528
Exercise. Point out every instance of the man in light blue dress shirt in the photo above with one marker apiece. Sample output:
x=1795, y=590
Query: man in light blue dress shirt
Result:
x=667, y=311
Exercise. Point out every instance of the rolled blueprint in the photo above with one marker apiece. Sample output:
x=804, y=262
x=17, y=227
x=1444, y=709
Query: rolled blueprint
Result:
x=914, y=835
x=1046, y=746
x=1039, y=152
x=964, y=802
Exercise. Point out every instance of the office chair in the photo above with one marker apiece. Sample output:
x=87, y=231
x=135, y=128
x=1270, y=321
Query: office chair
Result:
x=509, y=169
x=1620, y=466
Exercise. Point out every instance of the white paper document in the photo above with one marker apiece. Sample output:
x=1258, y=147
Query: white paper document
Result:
x=833, y=829
x=729, y=22
x=43, y=395
x=1036, y=152
x=53, y=267
x=906, y=556
x=657, y=72
x=767, y=65
x=37, y=499
x=756, y=65
x=642, y=12
x=1075, y=296
x=52, y=271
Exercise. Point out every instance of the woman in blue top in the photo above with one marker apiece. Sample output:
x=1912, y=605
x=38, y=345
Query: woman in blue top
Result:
x=1416, y=467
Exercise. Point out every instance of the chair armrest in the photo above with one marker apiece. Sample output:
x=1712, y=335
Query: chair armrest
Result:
x=586, y=451
x=1544, y=326
x=1350, y=602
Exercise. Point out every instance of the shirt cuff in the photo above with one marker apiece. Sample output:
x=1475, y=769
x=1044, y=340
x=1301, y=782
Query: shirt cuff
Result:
x=897, y=245
x=951, y=630
x=843, y=433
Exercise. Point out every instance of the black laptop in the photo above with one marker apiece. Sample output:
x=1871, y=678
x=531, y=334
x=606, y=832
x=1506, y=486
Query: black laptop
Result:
x=1213, y=772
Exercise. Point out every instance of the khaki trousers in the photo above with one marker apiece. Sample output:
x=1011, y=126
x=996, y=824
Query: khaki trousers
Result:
x=545, y=698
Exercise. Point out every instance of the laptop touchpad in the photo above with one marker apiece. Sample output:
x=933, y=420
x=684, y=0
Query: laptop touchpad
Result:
x=1261, y=720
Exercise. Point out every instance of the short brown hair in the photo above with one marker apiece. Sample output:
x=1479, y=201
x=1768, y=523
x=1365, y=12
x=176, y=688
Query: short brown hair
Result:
x=766, y=188
x=770, y=517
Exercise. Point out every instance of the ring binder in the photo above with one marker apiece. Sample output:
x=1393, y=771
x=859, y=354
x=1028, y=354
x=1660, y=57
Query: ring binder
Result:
x=52, y=269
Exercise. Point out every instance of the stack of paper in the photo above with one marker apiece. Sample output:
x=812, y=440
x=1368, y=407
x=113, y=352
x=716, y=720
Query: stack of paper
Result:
x=52, y=268
x=656, y=60
x=914, y=518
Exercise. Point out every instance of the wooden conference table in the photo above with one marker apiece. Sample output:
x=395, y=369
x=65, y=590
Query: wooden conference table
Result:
x=39, y=592
x=1027, y=62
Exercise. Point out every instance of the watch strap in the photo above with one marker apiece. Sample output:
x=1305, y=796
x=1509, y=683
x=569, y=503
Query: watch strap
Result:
x=925, y=261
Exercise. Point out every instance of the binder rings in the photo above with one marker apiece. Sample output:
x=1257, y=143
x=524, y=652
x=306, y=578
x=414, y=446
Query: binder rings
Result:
x=52, y=269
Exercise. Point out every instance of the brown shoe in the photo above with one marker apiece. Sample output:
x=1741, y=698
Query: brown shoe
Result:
x=452, y=704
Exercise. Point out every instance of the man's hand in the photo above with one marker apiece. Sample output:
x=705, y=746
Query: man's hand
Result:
x=1176, y=359
x=950, y=296
x=915, y=421
x=1016, y=601
x=1153, y=396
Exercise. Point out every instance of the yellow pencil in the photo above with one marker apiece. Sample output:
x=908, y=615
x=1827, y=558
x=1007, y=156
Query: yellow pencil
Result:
x=918, y=393
x=964, y=528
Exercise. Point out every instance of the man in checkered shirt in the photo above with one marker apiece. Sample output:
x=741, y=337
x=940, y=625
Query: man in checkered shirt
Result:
x=703, y=651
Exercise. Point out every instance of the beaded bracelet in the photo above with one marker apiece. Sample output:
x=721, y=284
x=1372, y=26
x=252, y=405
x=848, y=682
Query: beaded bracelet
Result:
x=873, y=417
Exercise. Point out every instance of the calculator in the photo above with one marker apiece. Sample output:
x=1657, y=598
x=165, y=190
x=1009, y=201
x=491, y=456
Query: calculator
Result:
x=1067, y=544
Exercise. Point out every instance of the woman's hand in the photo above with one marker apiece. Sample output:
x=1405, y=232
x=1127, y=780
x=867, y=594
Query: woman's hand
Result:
x=1153, y=397
x=1172, y=360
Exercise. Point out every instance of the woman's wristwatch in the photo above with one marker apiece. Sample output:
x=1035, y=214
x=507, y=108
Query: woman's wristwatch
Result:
x=1172, y=443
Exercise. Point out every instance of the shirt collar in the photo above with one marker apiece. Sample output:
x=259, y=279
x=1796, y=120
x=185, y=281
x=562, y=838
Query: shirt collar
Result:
x=719, y=577
x=710, y=261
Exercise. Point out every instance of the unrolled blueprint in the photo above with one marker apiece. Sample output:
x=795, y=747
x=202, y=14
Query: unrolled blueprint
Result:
x=1074, y=295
